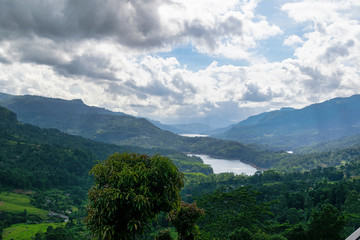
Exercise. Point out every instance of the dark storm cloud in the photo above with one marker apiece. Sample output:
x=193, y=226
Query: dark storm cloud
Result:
x=39, y=52
x=89, y=66
x=49, y=32
x=3, y=59
x=209, y=36
x=254, y=94
x=131, y=22
x=318, y=82
x=339, y=50
x=180, y=83
x=154, y=88
x=44, y=18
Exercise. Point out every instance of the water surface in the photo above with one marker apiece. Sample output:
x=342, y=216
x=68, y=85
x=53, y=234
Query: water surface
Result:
x=193, y=135
x=226, y=165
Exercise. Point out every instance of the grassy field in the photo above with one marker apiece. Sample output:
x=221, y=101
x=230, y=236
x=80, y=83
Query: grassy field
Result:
x=17, y=203
x=26, y=231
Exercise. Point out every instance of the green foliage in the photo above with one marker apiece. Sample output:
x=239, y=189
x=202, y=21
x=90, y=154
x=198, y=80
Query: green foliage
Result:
x=59, y=233
x=326, y=224
x=164, y=235
x=302, y=162
x=129, y=190
x=26, y=231
x=240, y=234
x=184, y=220
x=296, y=232
x=188, y=164
x=293, y=204
x=18, y=203
x=228, y=211
x=31, y=157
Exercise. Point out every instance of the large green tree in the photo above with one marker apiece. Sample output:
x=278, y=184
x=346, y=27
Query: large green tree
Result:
x=326, y=224
x=129, y=190
x=184, y=220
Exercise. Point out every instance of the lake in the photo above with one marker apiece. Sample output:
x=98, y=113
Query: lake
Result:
x=226, y=165
x=193, y=135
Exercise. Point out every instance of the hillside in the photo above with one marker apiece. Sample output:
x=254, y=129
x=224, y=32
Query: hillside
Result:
x=332, y=145
x=31, y=164
x=42, y=158
x=74, y=117
x=290, y=128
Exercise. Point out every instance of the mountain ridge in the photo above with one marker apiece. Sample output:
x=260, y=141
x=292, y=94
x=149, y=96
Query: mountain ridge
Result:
x=291, y=128
x=119, y=129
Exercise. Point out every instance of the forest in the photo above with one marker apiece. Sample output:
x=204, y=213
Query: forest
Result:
x=44, y=182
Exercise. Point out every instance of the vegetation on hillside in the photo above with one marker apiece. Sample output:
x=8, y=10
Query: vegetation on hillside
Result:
x=317, y=204
x=129, y=191
x=291, y=128
x=303, y=196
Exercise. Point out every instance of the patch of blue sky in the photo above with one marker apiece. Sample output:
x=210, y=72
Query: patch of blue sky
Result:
x=274, y=50
x=195, y=61
x=271, y=10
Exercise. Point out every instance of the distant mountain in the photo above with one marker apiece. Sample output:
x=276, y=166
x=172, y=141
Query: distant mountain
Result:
x=38, y=110
x=290, y=128
x=218, y=131
x=74, y=117
x=193, y=128
x=165, y=126
x=190, y=128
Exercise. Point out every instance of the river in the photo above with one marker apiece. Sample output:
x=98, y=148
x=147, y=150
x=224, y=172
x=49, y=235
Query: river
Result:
x=225, y=165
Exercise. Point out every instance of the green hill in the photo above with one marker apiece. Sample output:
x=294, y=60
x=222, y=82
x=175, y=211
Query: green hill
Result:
x=74, y=117
x=32, y=157
x=332, y=145
x=290, y=128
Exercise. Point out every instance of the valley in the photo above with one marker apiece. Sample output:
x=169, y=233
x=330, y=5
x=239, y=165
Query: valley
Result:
x=48, y=147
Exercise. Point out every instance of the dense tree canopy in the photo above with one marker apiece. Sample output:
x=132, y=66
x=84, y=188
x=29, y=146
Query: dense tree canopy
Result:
x=184, y=220
x=129, y=190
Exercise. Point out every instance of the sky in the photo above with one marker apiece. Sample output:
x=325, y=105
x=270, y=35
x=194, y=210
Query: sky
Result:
x=182, y=61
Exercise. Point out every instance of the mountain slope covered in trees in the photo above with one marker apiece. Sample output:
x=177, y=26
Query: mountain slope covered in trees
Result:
x=74, y=117
x=124, y=130
x=32, y=157
x=290, y=128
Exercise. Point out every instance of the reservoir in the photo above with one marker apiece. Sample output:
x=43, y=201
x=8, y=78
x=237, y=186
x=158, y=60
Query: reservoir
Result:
x=225, y=165
x=193, y=135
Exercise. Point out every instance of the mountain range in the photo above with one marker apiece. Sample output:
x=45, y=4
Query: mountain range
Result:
x=284, y=129
x=102, y=132
x=290, y=128
x=76, y=118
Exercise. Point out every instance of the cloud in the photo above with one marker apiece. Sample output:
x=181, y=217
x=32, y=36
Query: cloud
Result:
x=338, y=50
x=3, y=59
x=327, y=58
x=94, y=67
x=293, y=40
x=254, y=94
x=132, y=23
x=319, y=83
x=105, y=52
x=141, y=26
